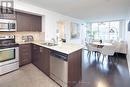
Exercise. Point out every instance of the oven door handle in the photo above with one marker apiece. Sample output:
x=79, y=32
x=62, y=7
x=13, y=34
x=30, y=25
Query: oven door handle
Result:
x=7, y=49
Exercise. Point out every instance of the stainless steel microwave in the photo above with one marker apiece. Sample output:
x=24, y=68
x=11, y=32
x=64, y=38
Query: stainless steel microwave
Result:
x=7, y=25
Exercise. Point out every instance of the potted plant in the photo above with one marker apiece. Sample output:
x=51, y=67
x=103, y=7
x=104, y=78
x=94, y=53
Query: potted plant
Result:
x=91, y=34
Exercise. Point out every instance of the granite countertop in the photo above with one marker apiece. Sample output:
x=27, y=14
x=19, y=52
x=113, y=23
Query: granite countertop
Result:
x=66, y=48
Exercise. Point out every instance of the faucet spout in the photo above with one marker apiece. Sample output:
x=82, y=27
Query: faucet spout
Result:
x=53, y=40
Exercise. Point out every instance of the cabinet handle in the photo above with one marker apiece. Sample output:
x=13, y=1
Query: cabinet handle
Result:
x=34, y=47
x=41, y=49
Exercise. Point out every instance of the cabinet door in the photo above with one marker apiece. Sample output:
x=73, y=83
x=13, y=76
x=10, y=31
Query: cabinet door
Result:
x=41, y=58
x=36, y=55
x=45, y=60
x=24, y=54
x=28, y=22
x=74, y=68
x=36, y=23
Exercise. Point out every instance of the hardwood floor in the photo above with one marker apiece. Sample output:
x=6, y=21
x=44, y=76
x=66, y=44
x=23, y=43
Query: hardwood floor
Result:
x=104, y=74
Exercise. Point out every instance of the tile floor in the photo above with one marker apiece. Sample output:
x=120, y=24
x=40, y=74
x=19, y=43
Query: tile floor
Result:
x=26, y=76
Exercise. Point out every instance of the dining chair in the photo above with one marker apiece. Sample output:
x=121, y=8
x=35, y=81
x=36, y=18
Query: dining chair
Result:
x=107, y=51
x=91, y=49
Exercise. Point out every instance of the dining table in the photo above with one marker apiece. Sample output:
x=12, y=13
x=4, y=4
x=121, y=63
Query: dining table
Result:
x=101, y=44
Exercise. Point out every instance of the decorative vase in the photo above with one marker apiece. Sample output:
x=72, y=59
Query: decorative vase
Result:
x=100, y=41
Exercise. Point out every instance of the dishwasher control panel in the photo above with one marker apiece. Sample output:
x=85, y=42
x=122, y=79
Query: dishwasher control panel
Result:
x=59, y=55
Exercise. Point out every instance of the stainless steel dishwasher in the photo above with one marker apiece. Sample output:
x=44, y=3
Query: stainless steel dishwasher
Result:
x=59, y=68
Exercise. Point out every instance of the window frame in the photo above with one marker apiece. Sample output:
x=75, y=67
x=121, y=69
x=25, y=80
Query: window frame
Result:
x=107, y=35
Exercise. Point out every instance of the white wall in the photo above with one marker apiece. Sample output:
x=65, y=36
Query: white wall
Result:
x=128, y=56
x=128, y=40
x=51, y=18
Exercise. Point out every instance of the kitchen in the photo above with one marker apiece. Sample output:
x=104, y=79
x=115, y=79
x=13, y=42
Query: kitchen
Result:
x=43, y=43
x=23, y=41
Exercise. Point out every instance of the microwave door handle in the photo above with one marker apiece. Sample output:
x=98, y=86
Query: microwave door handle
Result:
x=8, y=26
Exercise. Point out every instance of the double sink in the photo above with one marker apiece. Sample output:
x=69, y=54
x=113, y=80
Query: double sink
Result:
x=49, y=44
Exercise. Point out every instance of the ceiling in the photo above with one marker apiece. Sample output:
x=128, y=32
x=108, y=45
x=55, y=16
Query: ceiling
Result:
x=84, y=9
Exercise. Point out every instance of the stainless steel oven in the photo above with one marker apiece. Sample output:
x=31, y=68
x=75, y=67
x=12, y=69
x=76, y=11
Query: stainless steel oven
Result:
x=9, y=54
x=7, y=25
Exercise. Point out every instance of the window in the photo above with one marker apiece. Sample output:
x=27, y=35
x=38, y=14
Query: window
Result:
x=106, y=30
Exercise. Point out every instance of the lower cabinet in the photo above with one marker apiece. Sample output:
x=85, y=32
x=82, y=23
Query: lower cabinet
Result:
x=41, y=58
x=24, y=54
x=74, y=68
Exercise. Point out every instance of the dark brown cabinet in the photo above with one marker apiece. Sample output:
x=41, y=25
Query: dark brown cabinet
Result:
x=28, y=22
x=41, y=58
x=24, y=54
x=35, y=55
x=74, y=68
x=45, y=58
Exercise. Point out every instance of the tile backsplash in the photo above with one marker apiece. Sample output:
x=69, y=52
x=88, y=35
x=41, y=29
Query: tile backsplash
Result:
x=37, y=36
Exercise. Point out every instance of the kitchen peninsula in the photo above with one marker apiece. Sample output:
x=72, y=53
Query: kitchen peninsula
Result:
x=62, y=62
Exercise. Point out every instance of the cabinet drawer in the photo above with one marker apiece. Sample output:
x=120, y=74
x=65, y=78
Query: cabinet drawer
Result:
x=25, y=57
x=25, y=61
x=25, y=46
x=35, y=47
x=25, y=52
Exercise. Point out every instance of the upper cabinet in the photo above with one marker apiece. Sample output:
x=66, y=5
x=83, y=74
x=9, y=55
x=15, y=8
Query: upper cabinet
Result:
x=28, y=22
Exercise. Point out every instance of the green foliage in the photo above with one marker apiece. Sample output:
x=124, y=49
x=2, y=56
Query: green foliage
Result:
x=91, y=33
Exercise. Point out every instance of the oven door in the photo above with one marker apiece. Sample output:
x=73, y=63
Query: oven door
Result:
x=9, y=55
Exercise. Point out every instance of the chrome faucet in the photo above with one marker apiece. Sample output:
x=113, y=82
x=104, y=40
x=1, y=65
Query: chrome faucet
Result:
x=54, y=41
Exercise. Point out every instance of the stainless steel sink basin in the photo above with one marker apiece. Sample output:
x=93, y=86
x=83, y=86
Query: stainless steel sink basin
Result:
x=49, y=44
